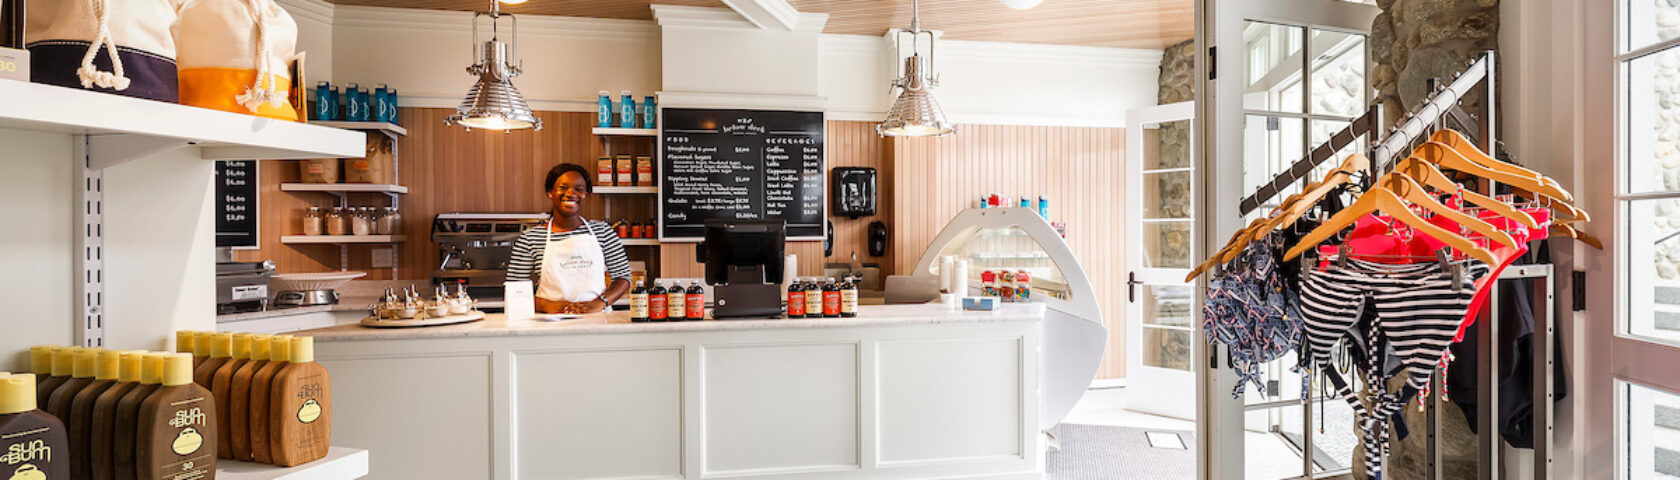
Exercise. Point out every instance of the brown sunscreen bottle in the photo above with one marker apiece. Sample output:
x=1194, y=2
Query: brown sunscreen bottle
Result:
x=105, y=414
x=85, y=361
x=40, y=364
x=80, y=424
x=301, y=404
x=123, y=455
x=279, y=353
x=184, y=341
x=239, y=398
x=177, y=435
x=33, y=444
x=221, y=350
x=61, y=363
x=221, y=388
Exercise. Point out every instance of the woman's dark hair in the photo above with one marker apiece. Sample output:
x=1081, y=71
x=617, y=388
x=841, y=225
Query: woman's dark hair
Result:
x=561, y=169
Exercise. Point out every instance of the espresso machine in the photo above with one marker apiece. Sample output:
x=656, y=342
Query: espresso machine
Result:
x=474, y=249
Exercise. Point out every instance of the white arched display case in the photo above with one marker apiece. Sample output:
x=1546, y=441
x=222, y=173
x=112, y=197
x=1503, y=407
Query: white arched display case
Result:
x=1017, y=239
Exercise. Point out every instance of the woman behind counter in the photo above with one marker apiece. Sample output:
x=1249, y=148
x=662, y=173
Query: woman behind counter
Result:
x=569, y=257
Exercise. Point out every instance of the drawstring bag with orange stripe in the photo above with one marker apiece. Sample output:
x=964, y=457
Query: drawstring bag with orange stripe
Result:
x=235, y=56
x=122, y=47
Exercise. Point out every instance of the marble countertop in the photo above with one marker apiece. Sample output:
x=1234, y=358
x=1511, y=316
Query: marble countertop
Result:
x=497, y=325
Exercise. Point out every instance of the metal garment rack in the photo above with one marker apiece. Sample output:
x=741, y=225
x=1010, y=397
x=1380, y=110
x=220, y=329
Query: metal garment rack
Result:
x=1418, y=124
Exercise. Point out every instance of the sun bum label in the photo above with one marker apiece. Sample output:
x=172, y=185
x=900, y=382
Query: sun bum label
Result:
x=190, y=460
x=32, y=451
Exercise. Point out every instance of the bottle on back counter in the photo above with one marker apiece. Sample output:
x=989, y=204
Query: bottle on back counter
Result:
x=1043, y=207
x=657, y=310
x=676, y=303
x=813, y=298
x=638, y=303
x=831, y=298
x=696, y=307
x=796, y=299
x=1025, y=203
x=848, y=297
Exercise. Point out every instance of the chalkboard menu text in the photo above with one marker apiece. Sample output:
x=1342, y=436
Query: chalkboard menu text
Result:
x=236, y=203
x=741, y=164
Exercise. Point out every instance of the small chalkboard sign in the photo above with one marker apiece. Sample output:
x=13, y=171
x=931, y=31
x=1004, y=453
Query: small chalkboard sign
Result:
x=741, y=164
x=236, y=203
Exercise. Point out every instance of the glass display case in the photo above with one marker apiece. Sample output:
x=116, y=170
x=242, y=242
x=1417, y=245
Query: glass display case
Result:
x=1017, y=240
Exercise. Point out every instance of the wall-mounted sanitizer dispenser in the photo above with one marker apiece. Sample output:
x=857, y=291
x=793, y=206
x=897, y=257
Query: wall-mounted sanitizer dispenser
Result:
x=853, y=191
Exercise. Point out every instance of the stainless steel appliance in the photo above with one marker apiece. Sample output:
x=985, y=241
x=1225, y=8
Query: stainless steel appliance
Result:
x=307, y=289
x=242, y=286
x=474, y=249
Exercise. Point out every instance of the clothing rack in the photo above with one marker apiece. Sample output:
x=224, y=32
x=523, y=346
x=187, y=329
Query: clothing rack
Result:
x=1434, y=113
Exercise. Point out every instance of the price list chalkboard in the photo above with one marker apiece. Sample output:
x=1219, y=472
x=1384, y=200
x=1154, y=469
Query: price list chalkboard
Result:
x=236, y=203
x=740, y=164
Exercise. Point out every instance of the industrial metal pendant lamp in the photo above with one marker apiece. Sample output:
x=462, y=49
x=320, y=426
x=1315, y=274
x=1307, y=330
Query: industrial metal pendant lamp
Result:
x=494, y=103
x=915, y=113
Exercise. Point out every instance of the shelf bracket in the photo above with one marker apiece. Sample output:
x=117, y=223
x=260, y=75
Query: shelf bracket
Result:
x=90, y=246
x=106, y=151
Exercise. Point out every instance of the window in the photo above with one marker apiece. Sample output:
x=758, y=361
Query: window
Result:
x=1648, y=187
x=1648, y=432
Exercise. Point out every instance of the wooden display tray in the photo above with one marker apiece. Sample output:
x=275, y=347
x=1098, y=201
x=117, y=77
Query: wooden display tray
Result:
x=375, y=322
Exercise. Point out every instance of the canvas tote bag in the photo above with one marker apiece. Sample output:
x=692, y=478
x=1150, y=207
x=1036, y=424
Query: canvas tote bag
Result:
x=235, y=56
x=114, y=46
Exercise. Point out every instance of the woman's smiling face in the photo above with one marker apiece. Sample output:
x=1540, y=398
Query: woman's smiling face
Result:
x=568, y=194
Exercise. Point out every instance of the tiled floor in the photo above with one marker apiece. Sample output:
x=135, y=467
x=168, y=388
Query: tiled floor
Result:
x=1267, y=455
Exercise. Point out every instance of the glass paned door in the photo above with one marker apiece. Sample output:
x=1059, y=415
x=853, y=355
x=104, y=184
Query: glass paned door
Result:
x=1160, y=332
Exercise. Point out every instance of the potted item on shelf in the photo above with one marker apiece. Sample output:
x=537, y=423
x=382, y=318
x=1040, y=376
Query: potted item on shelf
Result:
x=238, y=60
x=377, y=167
x=66, y=47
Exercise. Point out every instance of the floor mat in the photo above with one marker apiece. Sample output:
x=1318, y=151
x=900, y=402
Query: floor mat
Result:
x=1093, y=452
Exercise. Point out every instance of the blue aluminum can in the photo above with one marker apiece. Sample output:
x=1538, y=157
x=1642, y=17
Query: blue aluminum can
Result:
x=1043, y=207
x=323, y=102
x=649, y=109
x=604, y=110
x=626, y=110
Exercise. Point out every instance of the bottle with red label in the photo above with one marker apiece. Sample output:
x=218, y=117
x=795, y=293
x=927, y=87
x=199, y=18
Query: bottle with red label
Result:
x=796, y=299
x=623, y=229
x=831, y=298
x=696, y=303
x=658, y=309
x=1023, y=286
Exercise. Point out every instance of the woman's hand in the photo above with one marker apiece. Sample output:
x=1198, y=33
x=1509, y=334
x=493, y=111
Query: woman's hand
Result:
x=562, y=306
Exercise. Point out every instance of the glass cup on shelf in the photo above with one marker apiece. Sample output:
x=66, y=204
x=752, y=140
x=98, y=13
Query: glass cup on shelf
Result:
x=313, y=224
x=335, y=222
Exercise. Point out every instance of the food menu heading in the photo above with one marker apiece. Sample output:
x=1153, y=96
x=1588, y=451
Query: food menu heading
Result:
x=740, y=164
x=236, y=203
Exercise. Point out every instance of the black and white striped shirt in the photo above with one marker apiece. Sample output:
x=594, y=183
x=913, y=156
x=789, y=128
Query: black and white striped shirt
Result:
x=526, y=263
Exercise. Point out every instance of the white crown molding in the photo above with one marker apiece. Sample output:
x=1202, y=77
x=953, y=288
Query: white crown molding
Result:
x=707, y=17
x=545, y=105
x=1041, y=53
x=766, y=14
x=451, y=21
x=991, y=119
x=744, y=101
x=313, y=10
x=855, y=44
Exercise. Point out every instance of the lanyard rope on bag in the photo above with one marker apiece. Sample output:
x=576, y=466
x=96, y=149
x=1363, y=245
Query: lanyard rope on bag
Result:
x=258, y=93
x=88, y=73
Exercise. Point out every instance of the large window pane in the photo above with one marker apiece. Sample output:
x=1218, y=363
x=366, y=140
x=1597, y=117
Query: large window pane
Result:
x=1651, y=432
x=1652, y=122
x=1269, y=145
x=1338, y=73
x=1653, y=269
x=1274, y=67
x=1648, y=22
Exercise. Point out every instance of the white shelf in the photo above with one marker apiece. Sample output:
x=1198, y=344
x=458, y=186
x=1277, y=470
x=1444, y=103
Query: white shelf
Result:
x=625, y=132
x=341, y=463
x=614, y=190
x=365, y=126
x=648, y=242
x=344, y=188
x=123, y=128
x=340, y=239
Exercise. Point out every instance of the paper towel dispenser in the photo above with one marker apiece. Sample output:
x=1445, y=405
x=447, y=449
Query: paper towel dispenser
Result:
x=854, y=191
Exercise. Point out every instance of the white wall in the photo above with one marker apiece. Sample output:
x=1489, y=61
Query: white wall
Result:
x=160, y=244
x=38, y=248
x=423, y=55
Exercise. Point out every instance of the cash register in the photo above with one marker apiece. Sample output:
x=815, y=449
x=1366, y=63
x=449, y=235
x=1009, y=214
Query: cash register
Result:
x=744, y=266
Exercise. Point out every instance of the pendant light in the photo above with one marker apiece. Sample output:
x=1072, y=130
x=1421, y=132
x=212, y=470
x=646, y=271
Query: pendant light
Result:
x=915, y=113
x=494, y=103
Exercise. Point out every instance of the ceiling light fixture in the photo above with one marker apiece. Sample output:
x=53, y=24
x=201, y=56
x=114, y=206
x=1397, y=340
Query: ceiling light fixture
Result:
x=915, y=113
x=493, y=103
x=1020, y=4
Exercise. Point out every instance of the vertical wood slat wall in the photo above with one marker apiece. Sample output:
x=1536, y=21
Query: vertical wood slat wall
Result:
x=1080, y=169
x=922, y=183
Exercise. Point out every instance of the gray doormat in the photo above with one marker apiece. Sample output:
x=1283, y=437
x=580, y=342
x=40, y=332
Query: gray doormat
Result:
x=1096, y=452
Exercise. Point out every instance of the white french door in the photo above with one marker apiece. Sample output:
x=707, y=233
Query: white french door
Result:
x=1160, y=364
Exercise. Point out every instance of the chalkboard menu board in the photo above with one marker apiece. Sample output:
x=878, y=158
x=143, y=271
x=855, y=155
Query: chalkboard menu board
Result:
x=740, y=164
x=236, y=203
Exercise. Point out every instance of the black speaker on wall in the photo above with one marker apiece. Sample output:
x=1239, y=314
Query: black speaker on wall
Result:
x=877, y=239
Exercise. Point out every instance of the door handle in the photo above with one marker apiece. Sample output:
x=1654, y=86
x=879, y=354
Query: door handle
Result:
x=1131, y=287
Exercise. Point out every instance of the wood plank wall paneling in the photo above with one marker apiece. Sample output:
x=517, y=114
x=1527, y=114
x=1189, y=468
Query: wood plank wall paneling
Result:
x=448, y=169
x=1080, y=170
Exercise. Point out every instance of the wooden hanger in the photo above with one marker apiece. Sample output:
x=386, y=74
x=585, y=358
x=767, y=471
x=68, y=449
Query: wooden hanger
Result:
x=1215, y=258
x=1568, y=231
x=1426, y=173
x=1408, y=189
x=1464, y=147
x=1241, y=239
x=1558, y=206
x=1444, y=156
x=1311, y=196
x=1385, y=201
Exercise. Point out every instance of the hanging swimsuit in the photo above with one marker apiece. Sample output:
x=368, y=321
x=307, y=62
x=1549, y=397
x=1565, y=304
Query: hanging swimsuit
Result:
x=1253, y=311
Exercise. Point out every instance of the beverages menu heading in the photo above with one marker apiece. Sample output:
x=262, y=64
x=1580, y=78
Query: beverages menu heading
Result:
x=740, y=164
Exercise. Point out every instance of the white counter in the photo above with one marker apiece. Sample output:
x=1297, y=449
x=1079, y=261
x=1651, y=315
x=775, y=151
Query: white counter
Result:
x=898, y=392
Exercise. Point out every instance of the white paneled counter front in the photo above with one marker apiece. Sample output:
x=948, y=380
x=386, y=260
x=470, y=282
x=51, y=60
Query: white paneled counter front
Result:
x=904, y=391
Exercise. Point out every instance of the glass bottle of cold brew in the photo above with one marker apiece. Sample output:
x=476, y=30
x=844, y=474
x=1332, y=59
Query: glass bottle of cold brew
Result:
x=638, y=303
x=796, y=299
x=848, y=297
x=657, y=310
x=831, y=298
x=696, y=307
x=813, y=298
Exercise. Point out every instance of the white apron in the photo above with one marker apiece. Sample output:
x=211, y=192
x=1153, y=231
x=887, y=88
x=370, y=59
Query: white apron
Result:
x=573, y=268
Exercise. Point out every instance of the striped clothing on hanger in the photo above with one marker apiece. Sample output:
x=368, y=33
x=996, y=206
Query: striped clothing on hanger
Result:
x=526, y=262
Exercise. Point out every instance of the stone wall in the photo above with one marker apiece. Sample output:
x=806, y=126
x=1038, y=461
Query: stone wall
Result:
x=1415, y=40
